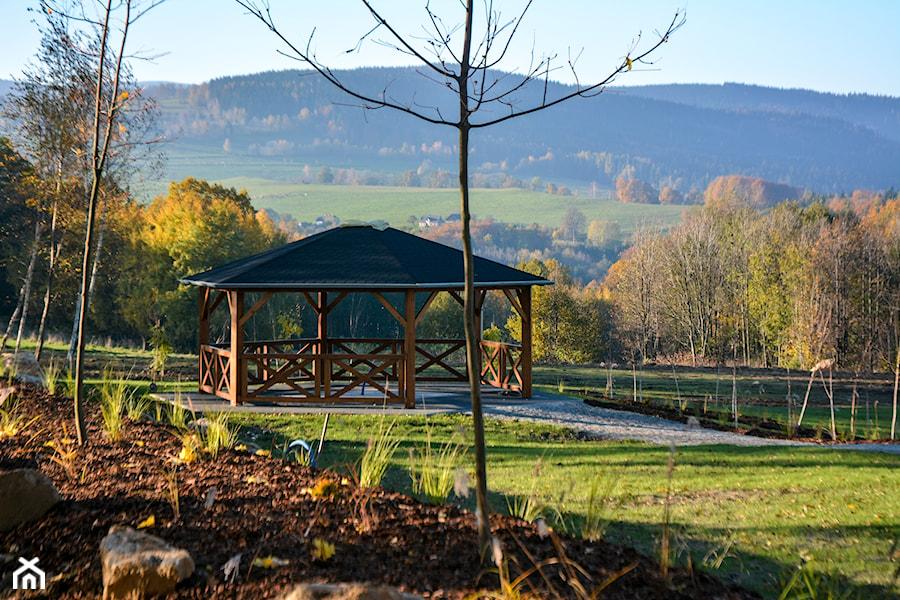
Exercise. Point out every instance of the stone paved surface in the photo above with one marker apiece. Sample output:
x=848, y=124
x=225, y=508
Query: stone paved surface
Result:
x=543, y=407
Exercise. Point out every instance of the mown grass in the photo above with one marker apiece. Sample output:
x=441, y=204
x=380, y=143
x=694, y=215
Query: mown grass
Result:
x=753, y=513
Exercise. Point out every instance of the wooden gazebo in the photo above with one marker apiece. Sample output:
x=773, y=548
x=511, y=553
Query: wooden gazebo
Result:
x=324, y=269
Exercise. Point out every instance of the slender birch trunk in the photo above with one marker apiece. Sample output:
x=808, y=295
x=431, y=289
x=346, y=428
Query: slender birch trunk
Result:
x=29, y=277
x=48, y=294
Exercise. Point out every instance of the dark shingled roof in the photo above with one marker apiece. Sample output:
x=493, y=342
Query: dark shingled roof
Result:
x=360, y=257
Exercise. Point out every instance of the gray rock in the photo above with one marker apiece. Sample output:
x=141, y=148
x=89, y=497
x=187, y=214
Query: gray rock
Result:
x=25, y=368
x=137, y=565
x=352, y=591
x=25, y=495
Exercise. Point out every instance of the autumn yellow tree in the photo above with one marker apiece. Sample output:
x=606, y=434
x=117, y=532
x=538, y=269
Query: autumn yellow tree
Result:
x=196, y=226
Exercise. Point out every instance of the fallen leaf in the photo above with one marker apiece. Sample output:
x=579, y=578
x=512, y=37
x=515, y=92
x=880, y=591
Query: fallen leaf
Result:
x=270, y=562
x=148, y=522
x=322, y=550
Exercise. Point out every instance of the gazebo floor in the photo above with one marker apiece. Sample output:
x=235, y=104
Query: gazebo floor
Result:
x=432, y=398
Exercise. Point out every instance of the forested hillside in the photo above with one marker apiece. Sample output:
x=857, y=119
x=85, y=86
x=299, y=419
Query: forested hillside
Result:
x=878, y=113
x=678, y=136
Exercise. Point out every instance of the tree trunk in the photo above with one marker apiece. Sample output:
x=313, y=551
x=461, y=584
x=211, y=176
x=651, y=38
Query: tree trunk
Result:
x=95, y=264
x=12, y=320
x=473, y=336
x=98, y=161
x=82, y=312
x=54, y=252
x=29, y=276
x=896, y=383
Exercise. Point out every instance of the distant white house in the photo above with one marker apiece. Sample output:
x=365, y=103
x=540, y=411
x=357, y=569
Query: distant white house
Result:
x=430, y=221
x=29, y=576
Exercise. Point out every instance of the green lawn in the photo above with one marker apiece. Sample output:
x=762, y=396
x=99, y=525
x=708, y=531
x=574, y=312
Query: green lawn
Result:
x=750, y=514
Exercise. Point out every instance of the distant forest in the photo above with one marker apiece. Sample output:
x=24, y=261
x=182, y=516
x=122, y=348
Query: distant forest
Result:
x=673, y=136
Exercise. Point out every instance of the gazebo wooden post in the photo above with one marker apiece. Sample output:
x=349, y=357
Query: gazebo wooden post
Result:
x=527, y=345
x=323, y=365
x=409, y=348
x=203, y=337
x=237, y=374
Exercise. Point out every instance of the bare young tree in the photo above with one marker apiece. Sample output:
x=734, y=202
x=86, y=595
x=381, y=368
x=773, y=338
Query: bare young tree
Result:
x=109, y=21
x=466, y=64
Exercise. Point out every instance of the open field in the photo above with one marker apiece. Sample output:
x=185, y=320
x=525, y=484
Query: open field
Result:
x=396, y=204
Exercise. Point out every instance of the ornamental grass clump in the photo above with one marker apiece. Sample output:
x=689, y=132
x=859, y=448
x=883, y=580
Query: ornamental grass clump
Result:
x=529, y=507
x=220, y=435
x=433, y=469
x=115, y=395
x=12, y=422
x=379, y=453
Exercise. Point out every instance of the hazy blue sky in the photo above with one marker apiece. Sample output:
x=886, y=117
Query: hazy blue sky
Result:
x=840, y=46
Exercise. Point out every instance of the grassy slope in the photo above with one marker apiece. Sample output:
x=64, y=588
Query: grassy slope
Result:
x=396, y=205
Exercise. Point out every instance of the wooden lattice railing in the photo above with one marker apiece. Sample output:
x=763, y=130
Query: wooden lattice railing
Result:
x=298, y=370
x=501, y=365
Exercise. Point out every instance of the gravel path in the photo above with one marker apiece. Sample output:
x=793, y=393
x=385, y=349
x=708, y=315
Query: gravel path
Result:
x=623, y=425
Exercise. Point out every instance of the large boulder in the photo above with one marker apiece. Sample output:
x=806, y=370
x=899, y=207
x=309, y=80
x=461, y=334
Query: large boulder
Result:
x=137, y=565
x=353, y=591
x=25, y=495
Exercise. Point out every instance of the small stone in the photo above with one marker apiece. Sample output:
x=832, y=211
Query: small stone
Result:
x=136, y=564
x=25, y=495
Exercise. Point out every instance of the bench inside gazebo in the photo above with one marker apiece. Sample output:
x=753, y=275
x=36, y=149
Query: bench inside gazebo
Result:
x=405, y=273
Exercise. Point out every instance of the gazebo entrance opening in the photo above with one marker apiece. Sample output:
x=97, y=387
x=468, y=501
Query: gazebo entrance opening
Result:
x=333, y=367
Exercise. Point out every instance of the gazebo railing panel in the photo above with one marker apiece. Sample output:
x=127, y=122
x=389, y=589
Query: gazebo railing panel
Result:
x=214, y=368
x=364, y=354
x=297, y=370
x=351, y=371
x=264, y=372
x=436, y=354
x=501, y=365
